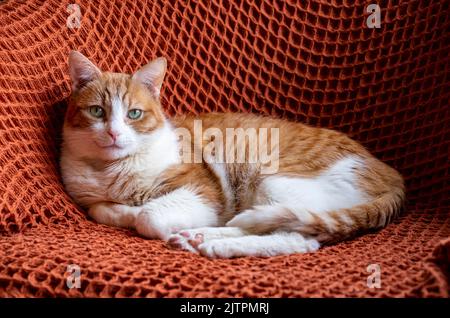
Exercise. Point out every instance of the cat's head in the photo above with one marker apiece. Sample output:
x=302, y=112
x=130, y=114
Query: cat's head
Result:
x=111, y=115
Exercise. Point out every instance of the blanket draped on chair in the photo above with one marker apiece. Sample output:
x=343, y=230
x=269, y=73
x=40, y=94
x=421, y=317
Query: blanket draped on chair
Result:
x=318, y=62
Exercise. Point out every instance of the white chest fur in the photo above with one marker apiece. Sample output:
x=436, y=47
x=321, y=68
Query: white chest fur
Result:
x=89, y=182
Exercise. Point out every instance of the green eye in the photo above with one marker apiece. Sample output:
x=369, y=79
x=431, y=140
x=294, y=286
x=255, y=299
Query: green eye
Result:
x=96, y=111
x=135, y=114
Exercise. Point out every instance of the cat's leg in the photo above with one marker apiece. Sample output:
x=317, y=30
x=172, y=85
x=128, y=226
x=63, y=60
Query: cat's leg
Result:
x=327, y=206
x=173, y=212
x=262, y=219
x=114, y=214
x=190, y=239
x=322, y=226
x=279, y=243
x=227, y=242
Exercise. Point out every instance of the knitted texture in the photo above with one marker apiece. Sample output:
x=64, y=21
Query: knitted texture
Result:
x=312, y=61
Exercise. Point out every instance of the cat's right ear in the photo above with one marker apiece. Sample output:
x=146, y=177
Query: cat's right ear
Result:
x=82, y=71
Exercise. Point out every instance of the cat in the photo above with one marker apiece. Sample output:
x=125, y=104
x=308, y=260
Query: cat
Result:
x=121, y=160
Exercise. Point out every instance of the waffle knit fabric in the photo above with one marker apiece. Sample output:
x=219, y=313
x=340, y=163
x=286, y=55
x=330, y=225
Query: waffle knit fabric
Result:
x=312, y=61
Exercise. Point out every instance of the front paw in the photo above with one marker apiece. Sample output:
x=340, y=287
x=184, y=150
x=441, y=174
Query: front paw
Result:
x=114, y=214
x=152, y=225
x=193, y=241
x=105, y=215
x=186, y=240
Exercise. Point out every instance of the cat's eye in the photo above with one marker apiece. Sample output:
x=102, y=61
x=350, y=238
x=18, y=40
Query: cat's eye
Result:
x=96, y=111
x=135, y=114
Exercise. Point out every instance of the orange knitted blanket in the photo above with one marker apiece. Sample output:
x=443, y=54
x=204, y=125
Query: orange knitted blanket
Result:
x=313, y=61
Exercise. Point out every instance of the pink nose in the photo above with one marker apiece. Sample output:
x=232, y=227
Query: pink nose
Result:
x=113, y=134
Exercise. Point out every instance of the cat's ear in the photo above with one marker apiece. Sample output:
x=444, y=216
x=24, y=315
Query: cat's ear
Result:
x=152, y=75
x=82, y=71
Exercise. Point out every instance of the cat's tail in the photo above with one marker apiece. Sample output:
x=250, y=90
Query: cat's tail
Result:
x=326, y=227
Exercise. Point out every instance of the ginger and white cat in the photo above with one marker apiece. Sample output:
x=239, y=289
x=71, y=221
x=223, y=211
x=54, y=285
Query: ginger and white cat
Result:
x=121, y=160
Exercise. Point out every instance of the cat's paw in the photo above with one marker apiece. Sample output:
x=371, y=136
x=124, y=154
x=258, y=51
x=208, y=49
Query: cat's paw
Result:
x=191, y=239
x=218, y=249
x=152, y=226
x=114, y=214
x=103, y=214
x=186, y=240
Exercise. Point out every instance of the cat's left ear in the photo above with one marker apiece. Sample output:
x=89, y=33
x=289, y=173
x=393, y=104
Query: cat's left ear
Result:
x=152, y=75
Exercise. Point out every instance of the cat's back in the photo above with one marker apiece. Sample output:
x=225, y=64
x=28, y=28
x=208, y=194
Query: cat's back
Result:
x=233, y=120
x=293, y=138
x=297, y=148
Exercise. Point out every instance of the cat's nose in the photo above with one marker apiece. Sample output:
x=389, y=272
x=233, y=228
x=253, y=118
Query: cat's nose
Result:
x=113, y=134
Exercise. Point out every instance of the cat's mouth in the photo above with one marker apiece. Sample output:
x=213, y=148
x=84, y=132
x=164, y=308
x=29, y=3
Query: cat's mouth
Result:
x=113, y=146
